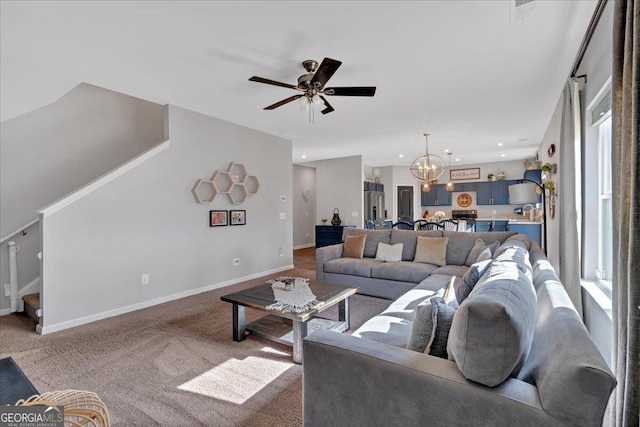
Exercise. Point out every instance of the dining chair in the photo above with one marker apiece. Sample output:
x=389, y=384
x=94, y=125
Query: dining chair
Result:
x=450, y=224
x=403, y=225
x=370, y=224
x=428, y=225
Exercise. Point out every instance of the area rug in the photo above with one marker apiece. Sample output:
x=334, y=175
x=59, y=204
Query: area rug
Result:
x=173, y=364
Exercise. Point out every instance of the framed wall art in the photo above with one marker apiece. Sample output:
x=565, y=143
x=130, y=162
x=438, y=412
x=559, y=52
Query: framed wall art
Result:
x=238, y=217
x=218, y=218
x=460, y=174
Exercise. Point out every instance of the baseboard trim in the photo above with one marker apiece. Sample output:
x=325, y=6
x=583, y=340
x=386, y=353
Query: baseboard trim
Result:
x=306, y=245
x=5, y=311
x=47, y=329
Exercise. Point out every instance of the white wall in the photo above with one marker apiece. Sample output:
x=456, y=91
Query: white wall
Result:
x=304, y=211
x=147, y=221
x=552, y=136
x=50, y=152
x=339, y=185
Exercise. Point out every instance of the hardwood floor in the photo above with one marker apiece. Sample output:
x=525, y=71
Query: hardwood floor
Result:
x=305, y=258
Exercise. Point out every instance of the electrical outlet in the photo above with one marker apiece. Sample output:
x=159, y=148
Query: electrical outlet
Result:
x=144, y=279
x=7, y=289
x=236, y=261
x=281, y=250
x=306, y=236
x=354, y=214
x=283, y=215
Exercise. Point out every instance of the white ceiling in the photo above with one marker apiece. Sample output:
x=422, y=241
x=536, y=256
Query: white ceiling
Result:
x=465, y=71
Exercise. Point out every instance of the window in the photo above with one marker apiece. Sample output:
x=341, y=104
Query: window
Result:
x=605, y=248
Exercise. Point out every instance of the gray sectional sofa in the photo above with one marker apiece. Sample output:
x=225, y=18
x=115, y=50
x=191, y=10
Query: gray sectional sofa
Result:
x=392, y=279
x=518, y=352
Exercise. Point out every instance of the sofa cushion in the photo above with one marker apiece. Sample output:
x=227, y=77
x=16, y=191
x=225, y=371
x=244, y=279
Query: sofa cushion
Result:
x=451, y=270
x=403, y=271
x=386, y=329
x=430, y=328
x=493, y=328
x=408, y=238
x=478, y=248
x=352, y=266
x=354, y=246
x=387, y=252
x=460, y=243
x=373, y=238
x=432, y=250
x=434, y=282
x=469, y=280
x=406, y=304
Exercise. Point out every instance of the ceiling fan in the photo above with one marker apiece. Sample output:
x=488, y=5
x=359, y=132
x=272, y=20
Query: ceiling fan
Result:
x=312, y=85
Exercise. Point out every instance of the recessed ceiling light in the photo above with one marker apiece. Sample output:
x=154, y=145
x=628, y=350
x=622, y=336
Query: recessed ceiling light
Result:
x=446, y=150
x=457, y=160
x=502, y=155
x=304, y=156
x=401, y=155
x=500, y=144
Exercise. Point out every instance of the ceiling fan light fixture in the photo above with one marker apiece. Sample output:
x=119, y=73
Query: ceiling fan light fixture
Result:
x=317, y=101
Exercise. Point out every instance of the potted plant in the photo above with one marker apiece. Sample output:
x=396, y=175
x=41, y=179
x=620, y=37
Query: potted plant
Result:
x=324, y=220
x=491, y=177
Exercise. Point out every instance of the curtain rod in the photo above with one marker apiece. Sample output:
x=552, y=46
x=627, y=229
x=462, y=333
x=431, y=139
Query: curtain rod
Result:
x=587, y=37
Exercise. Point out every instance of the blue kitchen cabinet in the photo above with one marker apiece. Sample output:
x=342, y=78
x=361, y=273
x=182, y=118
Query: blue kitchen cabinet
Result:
x=532, y=231
x=437, y=196
x=483, y=193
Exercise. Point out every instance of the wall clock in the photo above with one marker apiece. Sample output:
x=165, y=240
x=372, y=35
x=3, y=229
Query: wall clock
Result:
x=465, y=200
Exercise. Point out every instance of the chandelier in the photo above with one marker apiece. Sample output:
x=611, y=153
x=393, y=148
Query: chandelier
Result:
x=428, y=168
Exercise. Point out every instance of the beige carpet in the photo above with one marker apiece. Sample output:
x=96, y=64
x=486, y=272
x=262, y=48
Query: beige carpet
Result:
x=174, y=364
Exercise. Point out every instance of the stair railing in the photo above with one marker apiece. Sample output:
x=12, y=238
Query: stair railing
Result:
x=13, y=264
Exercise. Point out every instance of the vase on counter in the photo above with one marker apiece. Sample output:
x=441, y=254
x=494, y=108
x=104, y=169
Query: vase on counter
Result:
x=336, y=217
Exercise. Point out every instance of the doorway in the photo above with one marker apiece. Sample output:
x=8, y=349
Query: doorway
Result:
x=405, y=203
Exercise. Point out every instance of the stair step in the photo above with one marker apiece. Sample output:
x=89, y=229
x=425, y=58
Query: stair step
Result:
x=32, y=305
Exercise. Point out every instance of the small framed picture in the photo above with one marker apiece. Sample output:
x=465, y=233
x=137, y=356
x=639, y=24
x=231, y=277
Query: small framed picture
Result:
x=238, y=217
x=218, y=218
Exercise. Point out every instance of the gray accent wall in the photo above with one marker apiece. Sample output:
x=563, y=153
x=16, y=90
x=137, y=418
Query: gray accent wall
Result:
x=52, y=151
x=147, y=222
x=339, y=185
x=304, y=211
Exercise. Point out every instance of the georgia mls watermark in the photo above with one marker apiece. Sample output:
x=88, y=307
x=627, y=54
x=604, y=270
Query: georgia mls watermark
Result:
x=40, y=415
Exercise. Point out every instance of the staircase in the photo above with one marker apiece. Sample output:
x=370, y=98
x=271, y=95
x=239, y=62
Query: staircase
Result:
x=32, y=305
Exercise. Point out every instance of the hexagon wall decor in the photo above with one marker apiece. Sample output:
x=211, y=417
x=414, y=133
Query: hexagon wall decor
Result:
x=235, y=182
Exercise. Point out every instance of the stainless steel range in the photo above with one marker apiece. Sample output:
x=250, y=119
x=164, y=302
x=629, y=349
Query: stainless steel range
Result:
x=469, y=215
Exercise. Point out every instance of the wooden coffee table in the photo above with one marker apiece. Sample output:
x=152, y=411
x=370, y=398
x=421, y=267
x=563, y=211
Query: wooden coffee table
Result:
x=289, y=328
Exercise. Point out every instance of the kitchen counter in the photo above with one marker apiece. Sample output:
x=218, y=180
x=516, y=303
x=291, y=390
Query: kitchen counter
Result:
x=511, y=220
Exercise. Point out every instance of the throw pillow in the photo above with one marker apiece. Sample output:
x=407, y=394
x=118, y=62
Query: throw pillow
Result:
x=449, y=294
x=430, y=329
x=484, y=255
x=431, y=250
x=493, y=328
x=470, y=279
x=477, y=249
x=389, y=253
x=354, y=246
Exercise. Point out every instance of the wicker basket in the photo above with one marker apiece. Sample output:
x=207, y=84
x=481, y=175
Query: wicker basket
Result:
x=81, y=408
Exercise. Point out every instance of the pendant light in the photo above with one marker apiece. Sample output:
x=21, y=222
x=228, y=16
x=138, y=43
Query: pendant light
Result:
x=449, y=186
x=428, y=168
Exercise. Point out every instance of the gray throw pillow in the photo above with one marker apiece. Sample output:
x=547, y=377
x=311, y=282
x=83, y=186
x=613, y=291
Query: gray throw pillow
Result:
x=493, y=328
x=470, y=279
x=431, y=326
x=478, y=247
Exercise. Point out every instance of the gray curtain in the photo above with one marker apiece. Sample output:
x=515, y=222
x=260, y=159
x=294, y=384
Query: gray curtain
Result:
x=569, y=256
x=626, y=211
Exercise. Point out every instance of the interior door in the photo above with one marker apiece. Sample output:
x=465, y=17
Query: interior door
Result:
x=405, y=203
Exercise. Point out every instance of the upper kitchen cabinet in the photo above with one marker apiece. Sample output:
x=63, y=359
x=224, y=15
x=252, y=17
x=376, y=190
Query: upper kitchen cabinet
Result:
x=493, y=192
x=437, y=196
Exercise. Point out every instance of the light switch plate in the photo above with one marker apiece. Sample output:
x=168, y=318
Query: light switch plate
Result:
x=354, y=214
x=283, y=215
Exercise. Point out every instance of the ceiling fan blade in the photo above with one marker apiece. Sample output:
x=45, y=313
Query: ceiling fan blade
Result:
x=326, y=103
x=271, y=82
x=351, y=91
x=284, y=101
x=324, y=72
